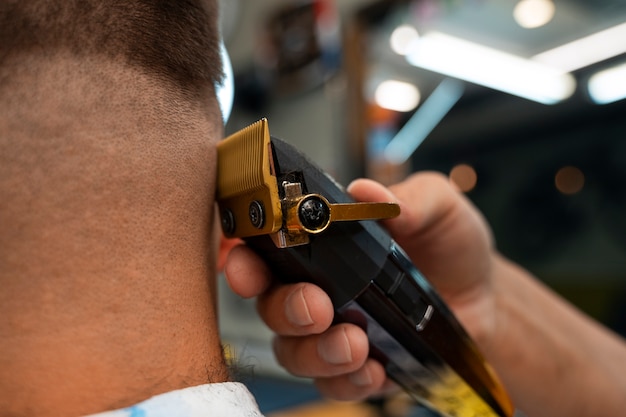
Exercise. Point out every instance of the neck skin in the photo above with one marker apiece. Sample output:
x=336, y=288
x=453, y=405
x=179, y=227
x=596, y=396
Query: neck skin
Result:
x=107, y=263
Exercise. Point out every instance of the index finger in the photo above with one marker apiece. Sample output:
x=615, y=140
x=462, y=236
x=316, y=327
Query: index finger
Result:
x=246, y=273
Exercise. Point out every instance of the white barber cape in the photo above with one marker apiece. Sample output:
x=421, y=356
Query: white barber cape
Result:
x=227, y=399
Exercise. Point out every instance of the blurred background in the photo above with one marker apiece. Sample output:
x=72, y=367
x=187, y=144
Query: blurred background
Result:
x=520, y=102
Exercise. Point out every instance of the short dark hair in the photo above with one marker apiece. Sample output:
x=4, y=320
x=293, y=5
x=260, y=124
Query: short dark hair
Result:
x=175, y=39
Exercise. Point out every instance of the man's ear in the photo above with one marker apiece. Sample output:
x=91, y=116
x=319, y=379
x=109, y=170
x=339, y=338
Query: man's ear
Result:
x=226, y=245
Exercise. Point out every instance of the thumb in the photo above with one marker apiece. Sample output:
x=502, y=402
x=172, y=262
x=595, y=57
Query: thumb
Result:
x=367, y=190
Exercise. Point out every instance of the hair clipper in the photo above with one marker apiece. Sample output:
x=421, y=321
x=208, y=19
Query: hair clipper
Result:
x=307, y=227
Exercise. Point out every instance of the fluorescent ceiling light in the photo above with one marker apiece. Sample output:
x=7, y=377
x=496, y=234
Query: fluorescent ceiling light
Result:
x=586, y=51
x=608, y=85
x=491, y=68
x=397, y=95
x=423, y=121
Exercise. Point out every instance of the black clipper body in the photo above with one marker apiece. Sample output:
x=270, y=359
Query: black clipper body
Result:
x=370, y=280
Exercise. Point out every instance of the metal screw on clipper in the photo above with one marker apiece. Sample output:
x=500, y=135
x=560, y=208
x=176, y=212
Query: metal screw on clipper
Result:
x=256, y=214
x=314, y=214
x=228, y=222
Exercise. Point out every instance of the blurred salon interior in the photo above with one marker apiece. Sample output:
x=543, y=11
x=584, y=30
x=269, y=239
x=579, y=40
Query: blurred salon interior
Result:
x=520, y=102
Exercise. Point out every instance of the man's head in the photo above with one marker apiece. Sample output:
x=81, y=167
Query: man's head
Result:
x=108, y=125
x=176, y=40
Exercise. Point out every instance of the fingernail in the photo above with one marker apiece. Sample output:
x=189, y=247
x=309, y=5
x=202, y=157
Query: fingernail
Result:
x=334, y=348
x=361, y=378
x=297, y=310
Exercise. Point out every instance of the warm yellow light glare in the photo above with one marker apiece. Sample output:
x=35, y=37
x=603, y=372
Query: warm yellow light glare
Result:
x=569, y=180
x=397, y=95
x=464, y=176
x=402, y=37
x=532, y=14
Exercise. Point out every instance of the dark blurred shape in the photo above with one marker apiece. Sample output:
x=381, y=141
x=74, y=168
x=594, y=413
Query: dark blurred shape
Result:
x=297, y=50
x=614, y=190
x=302, y=46
x=253, y=90
x=541, y=221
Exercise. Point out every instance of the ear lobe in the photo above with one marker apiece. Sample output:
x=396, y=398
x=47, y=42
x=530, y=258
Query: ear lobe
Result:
x=225, y=247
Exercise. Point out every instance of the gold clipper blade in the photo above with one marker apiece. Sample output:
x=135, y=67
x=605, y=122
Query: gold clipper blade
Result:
x=247, y=192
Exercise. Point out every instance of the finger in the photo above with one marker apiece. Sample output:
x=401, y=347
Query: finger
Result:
x=340, y=350
x=424, y=199
x=367, y=381
x=224, y=248
x=428, y=198
x=296, y=309
x=441, y=215
x=436, y=224
x=405, y=223
x=246, y=273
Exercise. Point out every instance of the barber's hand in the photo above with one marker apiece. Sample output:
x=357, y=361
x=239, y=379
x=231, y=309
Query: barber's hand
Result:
x=442, y=233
